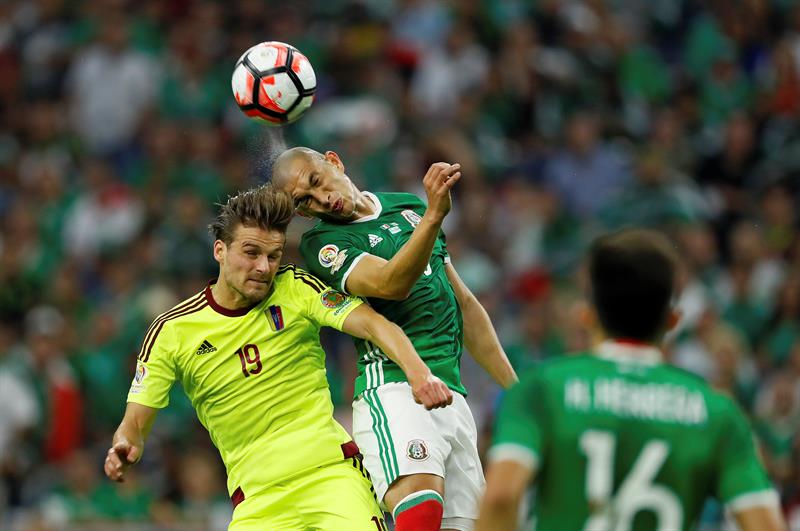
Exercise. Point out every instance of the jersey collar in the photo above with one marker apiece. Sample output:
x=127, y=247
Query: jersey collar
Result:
x=221, y=309
x=378, y=209
x=629, y=352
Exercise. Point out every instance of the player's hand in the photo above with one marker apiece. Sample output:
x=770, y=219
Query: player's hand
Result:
x=438, y=181
x=119, y=458
x=431, y=392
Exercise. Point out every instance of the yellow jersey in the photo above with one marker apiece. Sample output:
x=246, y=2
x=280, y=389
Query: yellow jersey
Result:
x=256, y=377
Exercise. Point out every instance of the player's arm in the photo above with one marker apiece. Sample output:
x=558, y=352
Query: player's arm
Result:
x=515, y=456
x=506, y=483
x=393, y=279
x=128, y=442
x=149, y=392
x=366, y=323
x=760, y=519
x=742, y=482
x=479, y=335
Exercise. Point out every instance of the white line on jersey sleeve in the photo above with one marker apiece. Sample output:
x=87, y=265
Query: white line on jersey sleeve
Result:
x=514, y=452
x=350, y=270
x=762, y=498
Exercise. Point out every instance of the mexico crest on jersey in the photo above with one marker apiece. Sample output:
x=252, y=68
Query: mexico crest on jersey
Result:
x=412, y=217
x=417, y=450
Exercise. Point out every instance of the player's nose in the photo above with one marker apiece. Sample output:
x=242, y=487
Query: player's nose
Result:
x=262, y=264
x=325, y=200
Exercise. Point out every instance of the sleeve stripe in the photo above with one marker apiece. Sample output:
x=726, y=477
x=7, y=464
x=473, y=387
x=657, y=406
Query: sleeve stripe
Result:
x=514, y=452
x=305, y=276
x=762, y=498
x=447, y=259
x=312, y=279
x=145, y=354
x=167, y=315
x=306, y=281
x=350, y=270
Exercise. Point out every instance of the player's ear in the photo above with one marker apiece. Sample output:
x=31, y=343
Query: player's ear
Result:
x=585, y=315
x=219, y=251
x=673, y=318
x=333, y=158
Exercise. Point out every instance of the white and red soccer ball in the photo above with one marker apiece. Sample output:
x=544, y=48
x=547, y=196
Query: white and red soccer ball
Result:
x=273, y=82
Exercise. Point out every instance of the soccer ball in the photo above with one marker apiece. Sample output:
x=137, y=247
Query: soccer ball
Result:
x=273, y=82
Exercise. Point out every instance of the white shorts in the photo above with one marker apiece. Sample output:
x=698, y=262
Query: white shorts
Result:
x=399, y=437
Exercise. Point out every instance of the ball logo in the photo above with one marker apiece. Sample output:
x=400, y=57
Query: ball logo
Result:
x=327, y=255
x=412, y=217
x=141, y=372
x=332, y=299
x=417, y=450
x=273, y=82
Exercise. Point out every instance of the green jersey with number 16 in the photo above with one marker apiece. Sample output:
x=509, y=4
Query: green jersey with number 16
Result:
x=430, y=316
x=620, y=441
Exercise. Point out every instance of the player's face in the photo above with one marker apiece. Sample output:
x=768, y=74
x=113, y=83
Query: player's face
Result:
x=321, y=189
x=248, y=265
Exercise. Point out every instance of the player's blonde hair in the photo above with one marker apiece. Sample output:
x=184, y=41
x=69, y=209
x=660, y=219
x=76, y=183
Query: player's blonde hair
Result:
x=264, y=206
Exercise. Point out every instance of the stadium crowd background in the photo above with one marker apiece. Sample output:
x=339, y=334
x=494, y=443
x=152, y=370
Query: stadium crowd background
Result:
x=119, y=133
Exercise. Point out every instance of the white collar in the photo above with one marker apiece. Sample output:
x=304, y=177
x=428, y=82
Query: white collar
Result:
x=378, y=208
x=629, y=352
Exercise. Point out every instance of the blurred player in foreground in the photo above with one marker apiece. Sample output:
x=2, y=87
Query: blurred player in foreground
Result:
x=389, y=247
x=246, y=351
x=616, y=439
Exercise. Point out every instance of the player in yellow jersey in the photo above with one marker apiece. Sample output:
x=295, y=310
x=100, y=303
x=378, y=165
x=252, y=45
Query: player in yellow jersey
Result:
x=246, y=351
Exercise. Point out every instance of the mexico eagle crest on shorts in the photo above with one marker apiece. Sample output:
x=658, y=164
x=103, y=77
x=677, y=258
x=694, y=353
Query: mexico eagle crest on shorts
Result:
x=397, y=436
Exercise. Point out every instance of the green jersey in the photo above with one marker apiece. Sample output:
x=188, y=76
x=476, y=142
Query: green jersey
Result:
x=430, y=316
x=622, y=442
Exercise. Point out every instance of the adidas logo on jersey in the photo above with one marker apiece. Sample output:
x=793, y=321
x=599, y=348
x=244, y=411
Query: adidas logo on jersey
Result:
x=374, y=240
x=206, y=348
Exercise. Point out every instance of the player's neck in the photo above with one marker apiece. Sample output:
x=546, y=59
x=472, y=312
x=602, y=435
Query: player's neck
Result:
x=632, y=342
x=631, y=350
x=365, y=206
x=228, y=298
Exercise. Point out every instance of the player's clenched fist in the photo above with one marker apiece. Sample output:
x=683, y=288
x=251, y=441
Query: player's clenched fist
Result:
x=431, y=392
x=438, y=181
x=119, y=457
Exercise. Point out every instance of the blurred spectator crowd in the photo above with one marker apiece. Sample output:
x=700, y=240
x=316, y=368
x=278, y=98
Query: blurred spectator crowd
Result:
x=119, y=134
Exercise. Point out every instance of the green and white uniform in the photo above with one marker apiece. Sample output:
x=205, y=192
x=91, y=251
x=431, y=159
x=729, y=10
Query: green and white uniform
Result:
x=430, y=316
x=620, y=441
x=389, y=427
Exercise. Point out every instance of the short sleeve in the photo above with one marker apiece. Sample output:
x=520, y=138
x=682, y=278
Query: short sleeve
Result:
x=741, y=480
x=323, y=305
x=519, y=426
x=155, y=370
x=332, y=256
